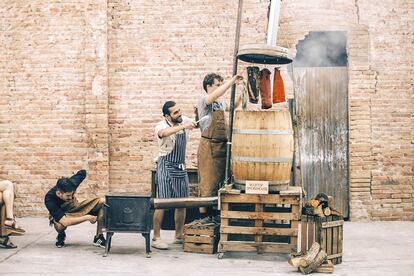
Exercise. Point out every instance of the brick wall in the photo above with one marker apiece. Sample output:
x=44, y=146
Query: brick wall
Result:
x=53, y=104
x=83, y=82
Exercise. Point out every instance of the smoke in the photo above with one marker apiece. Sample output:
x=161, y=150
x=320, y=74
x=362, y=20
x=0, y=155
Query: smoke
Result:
x=322, y=49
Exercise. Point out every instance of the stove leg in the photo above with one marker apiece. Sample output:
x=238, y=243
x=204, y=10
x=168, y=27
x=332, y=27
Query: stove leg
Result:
x=147, y=244
x=108, y=243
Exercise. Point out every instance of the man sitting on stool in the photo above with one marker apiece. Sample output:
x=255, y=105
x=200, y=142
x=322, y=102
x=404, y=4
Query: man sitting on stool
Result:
x=65, y=210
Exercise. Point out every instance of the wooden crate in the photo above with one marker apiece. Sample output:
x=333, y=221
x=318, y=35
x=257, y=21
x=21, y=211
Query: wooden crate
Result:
x=201, y=239
x=328, y=232
x=261, y=223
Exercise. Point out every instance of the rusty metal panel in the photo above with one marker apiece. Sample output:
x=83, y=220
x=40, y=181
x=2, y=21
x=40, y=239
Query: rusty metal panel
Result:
x=322, y=117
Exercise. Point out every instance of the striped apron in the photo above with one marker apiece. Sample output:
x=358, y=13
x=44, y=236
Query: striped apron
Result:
x=171, y=173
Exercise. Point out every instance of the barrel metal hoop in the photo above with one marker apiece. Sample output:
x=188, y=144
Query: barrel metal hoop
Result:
x=239, y=181
x=263, y=131
x=262, y=159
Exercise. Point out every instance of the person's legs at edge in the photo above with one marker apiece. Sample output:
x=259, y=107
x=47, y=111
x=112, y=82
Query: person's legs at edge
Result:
x=100, y=222
x=61, y=236
x=179, y=218
x=6, y=187
x=7, y=190
x=99, y=238
x=156, y=239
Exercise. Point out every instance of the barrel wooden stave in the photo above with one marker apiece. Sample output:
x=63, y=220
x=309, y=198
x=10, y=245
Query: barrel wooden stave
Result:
x=262, y=148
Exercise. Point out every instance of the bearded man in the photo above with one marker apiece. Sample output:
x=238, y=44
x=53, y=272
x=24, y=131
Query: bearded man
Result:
x=171, y=172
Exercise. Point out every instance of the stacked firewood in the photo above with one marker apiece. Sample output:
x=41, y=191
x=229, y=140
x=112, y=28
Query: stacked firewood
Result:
x=321, y=205
x=315, y=260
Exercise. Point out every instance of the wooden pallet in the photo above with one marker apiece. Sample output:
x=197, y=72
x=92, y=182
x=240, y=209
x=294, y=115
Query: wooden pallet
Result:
x=260, y=223
x=201, y=239
x=328, y=232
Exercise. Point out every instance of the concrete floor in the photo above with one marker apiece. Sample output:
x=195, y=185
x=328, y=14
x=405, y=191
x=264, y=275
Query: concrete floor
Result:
x=370, y=248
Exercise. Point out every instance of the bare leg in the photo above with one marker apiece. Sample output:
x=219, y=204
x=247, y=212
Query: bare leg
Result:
x=179, y=218
x=6, y=187
x=59, y=227
x=100, y=221
x=203, y=210
x=158, y=216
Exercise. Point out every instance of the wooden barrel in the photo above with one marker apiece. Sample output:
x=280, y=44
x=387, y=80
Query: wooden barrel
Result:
x=262, y=148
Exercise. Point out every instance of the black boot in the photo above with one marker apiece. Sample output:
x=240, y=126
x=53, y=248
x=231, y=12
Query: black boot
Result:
x=60, y=239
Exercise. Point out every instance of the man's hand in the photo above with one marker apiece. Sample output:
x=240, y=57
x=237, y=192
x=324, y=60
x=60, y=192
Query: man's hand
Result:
x=190, y=125
x=238, y=79
x=92, y=219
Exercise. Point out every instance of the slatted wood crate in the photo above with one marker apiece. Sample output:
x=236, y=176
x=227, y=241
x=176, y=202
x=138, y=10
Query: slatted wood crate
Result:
x=261, y=223
x=201, y=239
x=328, y=232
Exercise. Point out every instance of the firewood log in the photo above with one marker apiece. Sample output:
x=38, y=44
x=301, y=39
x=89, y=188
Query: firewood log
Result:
x=295, y=258
x=315, y=263
x=335, y=212
x=330, y=202
x=310, y=255
x=314, y=203
x=318, y=211
x=326, y=267
x=327, y=211
x=304, y=259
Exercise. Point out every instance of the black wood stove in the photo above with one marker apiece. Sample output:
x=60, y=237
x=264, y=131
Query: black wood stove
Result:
x=128, y=214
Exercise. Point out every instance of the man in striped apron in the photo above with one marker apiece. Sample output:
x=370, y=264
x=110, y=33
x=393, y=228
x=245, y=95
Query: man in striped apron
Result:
x=171, y=173
x=212, y=149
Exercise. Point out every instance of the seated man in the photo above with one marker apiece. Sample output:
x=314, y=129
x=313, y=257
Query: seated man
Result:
x=7, y=198
x=5, y=230
x=65, y=210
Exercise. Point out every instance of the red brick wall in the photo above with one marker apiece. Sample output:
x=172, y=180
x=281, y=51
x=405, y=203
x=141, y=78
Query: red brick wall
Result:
x=53, y=104
x=82, y=84
x=161, y=51
x=380, y=96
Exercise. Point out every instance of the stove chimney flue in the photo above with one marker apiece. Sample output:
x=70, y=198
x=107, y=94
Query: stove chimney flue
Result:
x=273, y=23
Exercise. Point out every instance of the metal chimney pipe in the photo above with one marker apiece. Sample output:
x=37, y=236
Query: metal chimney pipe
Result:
x=273, y=23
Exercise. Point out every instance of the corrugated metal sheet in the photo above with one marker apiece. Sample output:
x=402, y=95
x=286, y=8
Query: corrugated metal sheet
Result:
x=322, y=115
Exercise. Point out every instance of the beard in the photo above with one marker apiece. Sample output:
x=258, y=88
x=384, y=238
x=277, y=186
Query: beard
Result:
x=178, y=120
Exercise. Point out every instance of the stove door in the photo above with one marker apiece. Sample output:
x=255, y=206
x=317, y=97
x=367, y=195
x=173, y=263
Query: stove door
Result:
x=127, y=214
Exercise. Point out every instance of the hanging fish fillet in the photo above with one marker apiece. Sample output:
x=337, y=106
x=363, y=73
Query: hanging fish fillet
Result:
x=253, y=83
x=265, y=88
x=244, y=96
x=278, y=88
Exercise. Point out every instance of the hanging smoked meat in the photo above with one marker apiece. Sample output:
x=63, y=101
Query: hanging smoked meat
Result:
x=278, y=88
x=265, y=88
x=253, y=83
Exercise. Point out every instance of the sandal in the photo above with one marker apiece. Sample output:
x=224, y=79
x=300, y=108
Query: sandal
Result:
x=13, y=229
x=6, y=243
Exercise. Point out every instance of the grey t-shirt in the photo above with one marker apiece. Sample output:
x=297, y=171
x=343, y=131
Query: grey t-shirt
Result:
x=207, y=110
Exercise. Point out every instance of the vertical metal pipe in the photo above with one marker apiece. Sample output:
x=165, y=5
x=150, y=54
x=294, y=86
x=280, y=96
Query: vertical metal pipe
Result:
x=227, y=179
x=273, y=23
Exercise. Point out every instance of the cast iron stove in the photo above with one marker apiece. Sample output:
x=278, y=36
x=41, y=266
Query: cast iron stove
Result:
x=128, y=214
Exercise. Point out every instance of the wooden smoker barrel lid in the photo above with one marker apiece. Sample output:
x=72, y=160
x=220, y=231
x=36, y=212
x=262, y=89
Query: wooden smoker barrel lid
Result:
x=264, y=54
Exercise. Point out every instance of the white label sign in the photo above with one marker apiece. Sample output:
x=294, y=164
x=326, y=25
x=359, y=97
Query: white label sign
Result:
x=257, y=187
